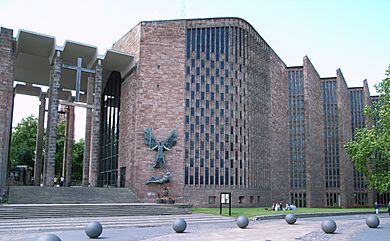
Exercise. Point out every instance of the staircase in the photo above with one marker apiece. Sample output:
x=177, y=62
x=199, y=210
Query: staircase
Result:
x=69, y=195
x=27, y=211
x=53, y=224
x=26, y=202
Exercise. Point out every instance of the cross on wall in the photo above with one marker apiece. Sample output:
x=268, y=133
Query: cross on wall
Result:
x=79, y=69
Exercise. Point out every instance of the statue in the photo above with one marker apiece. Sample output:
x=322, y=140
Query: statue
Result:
x=166, y=178
x=160, y=147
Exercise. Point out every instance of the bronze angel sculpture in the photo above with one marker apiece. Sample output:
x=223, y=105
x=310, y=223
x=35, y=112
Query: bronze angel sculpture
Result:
x=160, y=147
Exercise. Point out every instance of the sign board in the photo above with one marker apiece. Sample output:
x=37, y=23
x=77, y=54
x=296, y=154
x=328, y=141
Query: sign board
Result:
x=225, y=198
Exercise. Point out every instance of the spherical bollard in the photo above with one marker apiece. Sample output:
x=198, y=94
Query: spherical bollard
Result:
x=328, y=226
x=93, y=229
x=49, y=237
x=372, y=221
x=242, y=221
x=290, y=218
x=179, y=225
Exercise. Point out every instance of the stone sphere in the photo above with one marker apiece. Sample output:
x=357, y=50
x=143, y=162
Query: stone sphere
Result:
x=372, y=221
x=93, y=229
x=328, y=226
x=49, y=237
x=242, y=221
x=179, y=225
x=290, y=218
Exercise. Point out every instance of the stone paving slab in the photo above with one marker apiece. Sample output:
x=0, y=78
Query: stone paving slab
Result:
x=275, y=230
x=351, y=228
x=278, y=230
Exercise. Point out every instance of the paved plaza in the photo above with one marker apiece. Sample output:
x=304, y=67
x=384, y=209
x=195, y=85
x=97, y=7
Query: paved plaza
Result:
x=200, y=227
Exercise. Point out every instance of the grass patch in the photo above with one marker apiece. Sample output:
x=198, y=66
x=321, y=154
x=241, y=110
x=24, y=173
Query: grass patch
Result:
x=254, y=212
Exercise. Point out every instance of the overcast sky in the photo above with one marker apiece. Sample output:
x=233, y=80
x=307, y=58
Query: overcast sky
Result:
x=352, y=35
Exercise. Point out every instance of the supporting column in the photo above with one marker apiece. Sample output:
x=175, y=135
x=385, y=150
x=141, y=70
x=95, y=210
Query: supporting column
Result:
x=39, y=141
x=7, y=76
x=69, y=144
x=52, y=121
x=88, y=126
x=95, y=145
x=64, y=111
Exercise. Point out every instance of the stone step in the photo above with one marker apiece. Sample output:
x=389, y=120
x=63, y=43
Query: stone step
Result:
x=90, y=210
x=107, y=222
x=69, y=195
x=27, y=202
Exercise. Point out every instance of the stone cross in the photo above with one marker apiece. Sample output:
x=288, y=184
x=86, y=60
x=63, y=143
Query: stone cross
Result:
x=79, y=69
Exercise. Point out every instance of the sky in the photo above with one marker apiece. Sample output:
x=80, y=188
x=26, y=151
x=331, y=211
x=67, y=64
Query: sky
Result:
x=352, y=35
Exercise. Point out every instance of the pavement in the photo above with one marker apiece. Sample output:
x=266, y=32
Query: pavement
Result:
x=203, y=227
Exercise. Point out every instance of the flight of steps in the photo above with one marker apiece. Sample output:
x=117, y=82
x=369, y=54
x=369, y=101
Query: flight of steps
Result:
x=24, y=211
x=62, y=195
x=51, y=202
x=52, y=224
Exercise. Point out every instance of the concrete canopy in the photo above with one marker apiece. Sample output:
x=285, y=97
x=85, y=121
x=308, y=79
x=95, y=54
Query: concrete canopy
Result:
x=34, y=52
x=116, y=61
x=28, y=90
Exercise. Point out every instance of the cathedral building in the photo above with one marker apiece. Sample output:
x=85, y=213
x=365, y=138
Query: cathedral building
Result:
x=198, y=107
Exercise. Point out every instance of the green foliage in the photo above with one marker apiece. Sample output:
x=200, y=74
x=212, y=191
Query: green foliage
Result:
x=77, y=155
x=77, y=162
x=23, y=142
x=370, y=149
x=60, y=147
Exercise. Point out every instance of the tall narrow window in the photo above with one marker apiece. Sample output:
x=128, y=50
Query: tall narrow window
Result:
x=108, y=175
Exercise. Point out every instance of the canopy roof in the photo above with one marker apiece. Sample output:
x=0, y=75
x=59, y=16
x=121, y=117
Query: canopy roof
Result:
x=35, y=51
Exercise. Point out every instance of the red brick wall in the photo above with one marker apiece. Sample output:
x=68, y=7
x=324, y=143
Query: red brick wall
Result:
x=345, y=135
x=314, y=136
x=267, y=139
x=129, y=43
x=153, y=97
x=249, y=197
x=280, y=172
x=7, y=76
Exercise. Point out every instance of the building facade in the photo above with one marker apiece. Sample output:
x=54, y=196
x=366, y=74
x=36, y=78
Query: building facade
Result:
x=212, y=81
x=306, y=136
x=337, y=132
x=359, y=98
x=236, y=94
x=245, y=123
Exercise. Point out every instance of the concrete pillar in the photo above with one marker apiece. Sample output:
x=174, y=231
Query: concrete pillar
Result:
x=95, y=143
x=52, y=120
x=64, y=109
x=7, y=76
x=88, y=126
x=68, y=146
x=39, y=141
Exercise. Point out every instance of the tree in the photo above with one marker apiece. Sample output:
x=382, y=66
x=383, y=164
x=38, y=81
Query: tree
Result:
x=60, y=147
x=77, y=154
x=23, y=142
x=77, y=161
x=370, y=149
